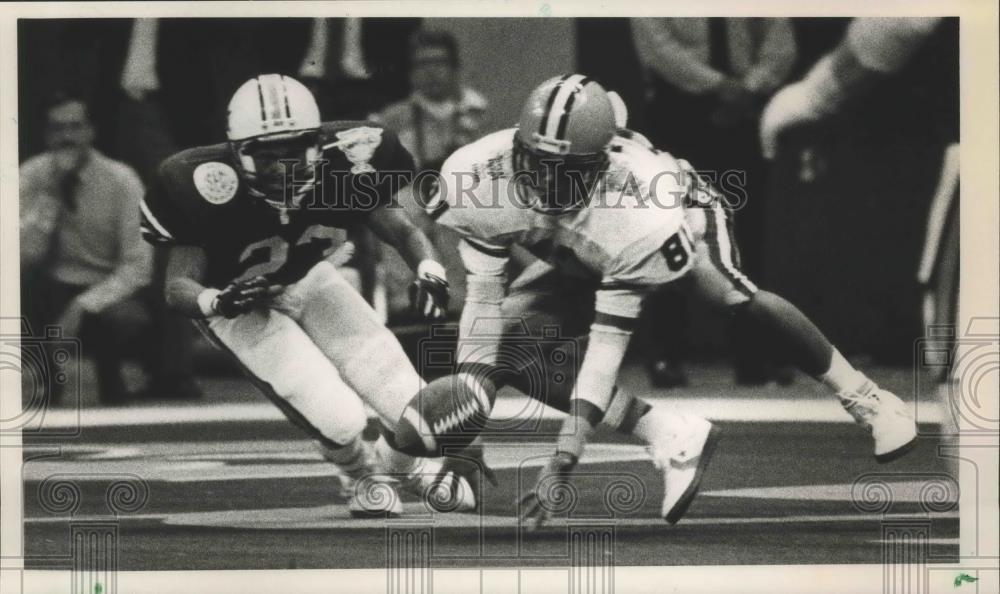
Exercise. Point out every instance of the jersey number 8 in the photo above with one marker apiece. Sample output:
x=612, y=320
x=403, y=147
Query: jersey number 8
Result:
x=677, y=250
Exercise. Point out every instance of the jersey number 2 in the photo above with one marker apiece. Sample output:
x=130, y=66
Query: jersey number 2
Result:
x=269, y=255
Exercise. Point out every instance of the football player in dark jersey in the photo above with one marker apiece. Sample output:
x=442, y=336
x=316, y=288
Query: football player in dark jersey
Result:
x=256, y=228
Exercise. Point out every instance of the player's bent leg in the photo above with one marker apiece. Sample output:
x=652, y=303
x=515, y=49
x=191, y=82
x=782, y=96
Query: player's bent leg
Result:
x=285, y=364
x=548, y=317
x=350, y=334
x=681, y=446
x=777, y=322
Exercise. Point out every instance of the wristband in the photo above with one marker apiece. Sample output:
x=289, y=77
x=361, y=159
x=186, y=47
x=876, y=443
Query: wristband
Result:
x=206, y=302
x=431, y=268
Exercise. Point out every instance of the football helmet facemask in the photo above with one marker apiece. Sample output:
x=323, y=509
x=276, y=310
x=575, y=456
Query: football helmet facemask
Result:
x=560, y=145
x=274, y=133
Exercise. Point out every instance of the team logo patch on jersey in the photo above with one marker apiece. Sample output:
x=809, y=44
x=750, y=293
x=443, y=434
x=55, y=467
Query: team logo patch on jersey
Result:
x=216, y=182
x=359, y=145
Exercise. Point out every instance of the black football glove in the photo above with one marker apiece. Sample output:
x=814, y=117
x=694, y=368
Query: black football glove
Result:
x=242, y=296
x=429, y=293
x=552, y=492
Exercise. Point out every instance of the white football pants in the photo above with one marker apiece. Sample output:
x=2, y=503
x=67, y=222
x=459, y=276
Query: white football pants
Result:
x=320, y=353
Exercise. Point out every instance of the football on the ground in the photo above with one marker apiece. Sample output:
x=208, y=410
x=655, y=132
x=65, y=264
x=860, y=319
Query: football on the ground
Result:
x=446, y=416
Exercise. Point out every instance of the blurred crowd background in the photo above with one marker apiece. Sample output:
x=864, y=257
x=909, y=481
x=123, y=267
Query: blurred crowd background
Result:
x=836, y=222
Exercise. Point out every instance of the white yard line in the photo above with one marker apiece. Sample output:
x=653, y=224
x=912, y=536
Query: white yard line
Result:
x=717, y=409
x=335, y=517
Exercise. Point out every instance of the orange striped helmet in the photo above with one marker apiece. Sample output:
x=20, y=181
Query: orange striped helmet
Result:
x=565, y=126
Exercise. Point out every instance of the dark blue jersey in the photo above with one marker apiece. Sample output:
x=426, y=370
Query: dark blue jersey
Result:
x=200, y=199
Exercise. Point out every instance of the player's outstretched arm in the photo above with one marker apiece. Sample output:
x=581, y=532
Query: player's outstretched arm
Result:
x=429, y=293
x=186, y=294
x=185, y=269
x=610, y=333
x=394, y=227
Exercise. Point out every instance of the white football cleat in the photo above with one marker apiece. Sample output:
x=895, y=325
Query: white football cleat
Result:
x=888, y=418
x=683, y=458
x=443, y=490
x=369, y=492
x=375, y=496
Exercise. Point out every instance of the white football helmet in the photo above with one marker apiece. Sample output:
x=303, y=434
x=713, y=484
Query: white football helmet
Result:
x=275, y=115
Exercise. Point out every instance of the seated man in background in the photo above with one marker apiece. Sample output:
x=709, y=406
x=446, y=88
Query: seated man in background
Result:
x=439, y=116
x=83, y=260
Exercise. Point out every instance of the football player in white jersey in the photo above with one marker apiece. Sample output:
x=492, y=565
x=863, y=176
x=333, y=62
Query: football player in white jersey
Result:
x=253, y=248
x=609, y=219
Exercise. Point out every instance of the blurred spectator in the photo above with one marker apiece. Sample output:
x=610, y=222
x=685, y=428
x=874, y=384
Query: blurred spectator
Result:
x=614, y=62
x=709, y=78
x=860, y=142
x=83, y=262
x=708, y=74
x=872, y=49
x=355, y=66
x=146, y=138
x=439, y=116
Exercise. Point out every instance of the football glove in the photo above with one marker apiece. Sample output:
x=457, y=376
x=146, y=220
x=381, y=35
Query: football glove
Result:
x=552, y=493
x=242, y=296
x=429, y=293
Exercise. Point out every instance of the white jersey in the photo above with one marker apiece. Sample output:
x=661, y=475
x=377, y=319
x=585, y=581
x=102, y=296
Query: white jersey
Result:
x=630, y=237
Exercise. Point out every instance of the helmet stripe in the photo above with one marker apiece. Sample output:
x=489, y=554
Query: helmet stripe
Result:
x=566, y=88
x=273, y=97
x=260, y=97
x=564, y=118
x=284, y=89
x=548, y=104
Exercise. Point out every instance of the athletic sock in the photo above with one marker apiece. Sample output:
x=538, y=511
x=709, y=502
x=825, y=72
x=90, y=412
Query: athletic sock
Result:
x=652, y=423
x=353, y=457
x=396, y=462
x=842, y=376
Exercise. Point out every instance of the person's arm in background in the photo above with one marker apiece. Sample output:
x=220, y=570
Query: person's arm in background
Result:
x=135, y=257
x=872, y=48
x=671, y=60
x=775, y=57
x=39, y=212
